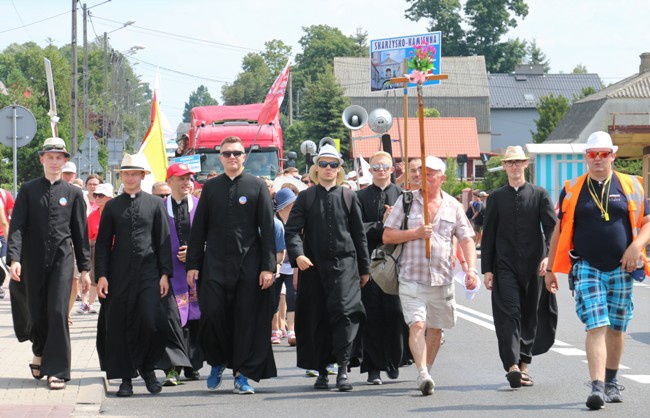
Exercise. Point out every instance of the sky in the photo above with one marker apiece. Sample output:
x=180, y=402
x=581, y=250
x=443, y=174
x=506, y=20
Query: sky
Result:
x=195, y=42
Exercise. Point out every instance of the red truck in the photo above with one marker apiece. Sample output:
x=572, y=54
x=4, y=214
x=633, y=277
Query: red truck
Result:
x=263, y=143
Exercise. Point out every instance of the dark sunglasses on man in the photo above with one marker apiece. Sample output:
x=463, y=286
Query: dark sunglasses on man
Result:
x=162, y=195
x=382, y=166
x=229, y=154
x=333, y=164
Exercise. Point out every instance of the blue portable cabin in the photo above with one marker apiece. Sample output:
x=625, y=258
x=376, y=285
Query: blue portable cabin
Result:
x=553, y=164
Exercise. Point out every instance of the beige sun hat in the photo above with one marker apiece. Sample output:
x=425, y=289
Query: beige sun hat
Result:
x=514, y=153
x=54, y=145
x=135, y=162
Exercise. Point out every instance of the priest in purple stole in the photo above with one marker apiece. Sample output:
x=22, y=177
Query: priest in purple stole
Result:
x=183, y=351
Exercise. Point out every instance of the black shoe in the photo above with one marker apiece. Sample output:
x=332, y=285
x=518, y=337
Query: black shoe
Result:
x=191, y=374
x=322, y=382
x=596, y=399
x=393, y=374
x=150, y=380
x=613, y=392
x=374, y=377
x=126, y=389
x=342, y=382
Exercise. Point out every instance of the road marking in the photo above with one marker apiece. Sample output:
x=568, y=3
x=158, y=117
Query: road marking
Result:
x=476, y=321
x=570, y=351
x=639, y=378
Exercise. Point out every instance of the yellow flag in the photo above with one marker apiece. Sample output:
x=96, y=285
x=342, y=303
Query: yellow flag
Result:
x=153, y=145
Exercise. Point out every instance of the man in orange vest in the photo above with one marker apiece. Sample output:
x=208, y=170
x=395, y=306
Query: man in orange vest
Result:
x=600, y=241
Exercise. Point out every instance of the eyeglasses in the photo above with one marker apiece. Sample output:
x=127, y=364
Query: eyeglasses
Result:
x=602, y=154
x=377, y=167
x=333, y=164
x=98, y=195
x=163, y=195
x=517, y=163
x=229, y=154
x=51, y=147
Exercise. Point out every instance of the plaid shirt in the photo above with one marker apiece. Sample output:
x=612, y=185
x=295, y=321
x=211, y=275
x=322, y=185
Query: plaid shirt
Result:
x=450, y=221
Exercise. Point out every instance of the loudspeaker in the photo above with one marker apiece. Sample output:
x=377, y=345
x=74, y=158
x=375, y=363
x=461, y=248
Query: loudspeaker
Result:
x=354, y=117
x=461, y=158
x=485, y=157
x=380, y=121
x=326, y=140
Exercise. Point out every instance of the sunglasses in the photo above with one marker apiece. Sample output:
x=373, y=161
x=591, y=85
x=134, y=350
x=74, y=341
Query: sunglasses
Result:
x=229, y=154
x=377, y=167
x=517, y=163
x=163, y=195
x=97, y=196
x=602, y=154
x=59, y=147
x=306, y=181
x=333, y=164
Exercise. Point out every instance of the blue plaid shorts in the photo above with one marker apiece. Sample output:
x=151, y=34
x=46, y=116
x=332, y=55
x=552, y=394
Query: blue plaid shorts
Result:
x=603, y=298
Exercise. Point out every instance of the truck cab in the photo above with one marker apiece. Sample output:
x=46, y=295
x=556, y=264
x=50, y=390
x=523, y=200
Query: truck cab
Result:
x=263, y=143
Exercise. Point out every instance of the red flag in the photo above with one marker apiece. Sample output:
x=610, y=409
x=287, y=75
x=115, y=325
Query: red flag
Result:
x=274, y=97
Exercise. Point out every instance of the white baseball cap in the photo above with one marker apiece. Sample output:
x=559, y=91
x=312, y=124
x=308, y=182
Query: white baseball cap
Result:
x=435, y=163
x=69, y=167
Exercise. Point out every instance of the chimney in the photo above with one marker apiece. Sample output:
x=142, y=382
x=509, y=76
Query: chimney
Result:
x=645, y=63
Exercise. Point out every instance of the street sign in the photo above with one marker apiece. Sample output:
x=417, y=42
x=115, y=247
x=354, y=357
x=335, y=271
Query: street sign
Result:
x=387, y=58
x=18, y=118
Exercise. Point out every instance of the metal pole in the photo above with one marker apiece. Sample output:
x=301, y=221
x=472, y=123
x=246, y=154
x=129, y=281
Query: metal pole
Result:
x=85, y=76
x=73, y=96
x=15, y=138
x=104, y=126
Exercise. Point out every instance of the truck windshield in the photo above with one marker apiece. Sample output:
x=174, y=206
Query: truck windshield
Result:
x=258, y=163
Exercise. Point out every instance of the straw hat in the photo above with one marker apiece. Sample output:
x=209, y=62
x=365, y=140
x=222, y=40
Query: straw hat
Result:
x=514, y=153
x=600, y=139
x=135, y=162
x=54, y=145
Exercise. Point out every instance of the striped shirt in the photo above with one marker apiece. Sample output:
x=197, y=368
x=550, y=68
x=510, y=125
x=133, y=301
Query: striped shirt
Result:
x=450, y=220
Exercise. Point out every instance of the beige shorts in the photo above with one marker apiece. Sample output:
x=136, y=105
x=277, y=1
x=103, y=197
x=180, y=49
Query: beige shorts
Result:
x=435, y=305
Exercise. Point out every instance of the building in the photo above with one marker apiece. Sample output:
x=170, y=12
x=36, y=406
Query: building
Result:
x=514, y=99
x=464, y=95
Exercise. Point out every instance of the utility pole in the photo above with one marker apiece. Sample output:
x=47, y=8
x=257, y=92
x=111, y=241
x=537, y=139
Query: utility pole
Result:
x=104, y=125
x=73, y=98
x=85, y=77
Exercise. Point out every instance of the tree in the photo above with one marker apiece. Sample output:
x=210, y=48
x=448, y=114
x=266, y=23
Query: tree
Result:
x=551, y=110
x=580, y=69
x=487, y=22
x=322, y=107
x=276, y=55
x=536, y=56
x=199, y=97
x=430, y=112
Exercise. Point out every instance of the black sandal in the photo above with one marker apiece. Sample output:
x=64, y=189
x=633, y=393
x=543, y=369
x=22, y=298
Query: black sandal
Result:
x=514, y=378
x=36, y=371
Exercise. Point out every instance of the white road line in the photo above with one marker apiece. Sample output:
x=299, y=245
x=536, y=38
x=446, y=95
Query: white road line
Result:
x=639, y=378
x=476, y=321
x=569, y=351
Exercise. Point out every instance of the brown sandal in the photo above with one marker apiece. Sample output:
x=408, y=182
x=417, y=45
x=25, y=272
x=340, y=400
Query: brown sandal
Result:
x=55, y=383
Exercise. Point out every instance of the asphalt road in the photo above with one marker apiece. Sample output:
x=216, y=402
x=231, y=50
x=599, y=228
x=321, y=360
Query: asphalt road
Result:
x=468, y=375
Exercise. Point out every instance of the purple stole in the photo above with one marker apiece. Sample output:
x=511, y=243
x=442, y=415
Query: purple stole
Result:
x=186, y=299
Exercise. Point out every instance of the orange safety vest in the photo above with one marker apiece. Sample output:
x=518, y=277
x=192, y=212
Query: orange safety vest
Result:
x=635, y=206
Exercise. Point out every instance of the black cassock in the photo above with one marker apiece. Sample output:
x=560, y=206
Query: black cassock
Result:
x=231, y=242
x=48, y=218
x=133, y=250
x=517, y=230
x=329, y=311
x=385, y=334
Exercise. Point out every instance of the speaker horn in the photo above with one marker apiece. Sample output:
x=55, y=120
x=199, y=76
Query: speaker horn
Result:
x=380, y=121
x=326, y=140
x=354, y=117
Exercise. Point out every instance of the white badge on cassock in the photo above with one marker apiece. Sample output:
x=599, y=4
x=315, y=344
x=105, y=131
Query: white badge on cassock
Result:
x=63, y=201
x=242, y=200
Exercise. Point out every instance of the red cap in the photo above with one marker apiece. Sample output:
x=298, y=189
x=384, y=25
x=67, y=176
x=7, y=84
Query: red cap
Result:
x=179, y=169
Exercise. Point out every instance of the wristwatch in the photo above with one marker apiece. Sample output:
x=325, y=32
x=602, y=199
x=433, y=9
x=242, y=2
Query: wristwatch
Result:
x=549, y=271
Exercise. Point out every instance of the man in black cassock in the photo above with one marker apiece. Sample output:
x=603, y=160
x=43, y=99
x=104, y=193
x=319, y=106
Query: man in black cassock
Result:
x=385, y=334
x=49, y=219
x=326, y=240
x=232, y=254
x=517, y=228
x=133, y=262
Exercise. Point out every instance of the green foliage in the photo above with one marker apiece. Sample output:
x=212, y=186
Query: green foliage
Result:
x=251, y=85
x=496, y=179
x=431, y=112
x=580, y=69
x=536, y=56
x=200, y=97
x=475, y=29
x=452, y=184
x=294, y=135
x=320, y=44
x=276, y=55
x=551, y=110
x=629, y=166
x=323, y=104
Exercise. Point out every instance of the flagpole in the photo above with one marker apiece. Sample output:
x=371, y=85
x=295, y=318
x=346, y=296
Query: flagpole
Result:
x=405, y=154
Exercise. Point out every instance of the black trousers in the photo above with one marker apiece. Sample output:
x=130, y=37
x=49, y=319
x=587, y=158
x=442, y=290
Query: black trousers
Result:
x=515, y=299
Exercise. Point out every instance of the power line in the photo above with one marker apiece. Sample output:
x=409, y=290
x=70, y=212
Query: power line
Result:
x=179, y=72
x=184, y=37
x=34, y=23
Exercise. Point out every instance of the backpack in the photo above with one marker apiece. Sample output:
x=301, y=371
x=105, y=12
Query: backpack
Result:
x=310, y=196
x=384, y=262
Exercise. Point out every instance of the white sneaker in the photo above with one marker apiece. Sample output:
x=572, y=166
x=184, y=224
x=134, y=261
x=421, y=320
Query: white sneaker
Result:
x=425, y=384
